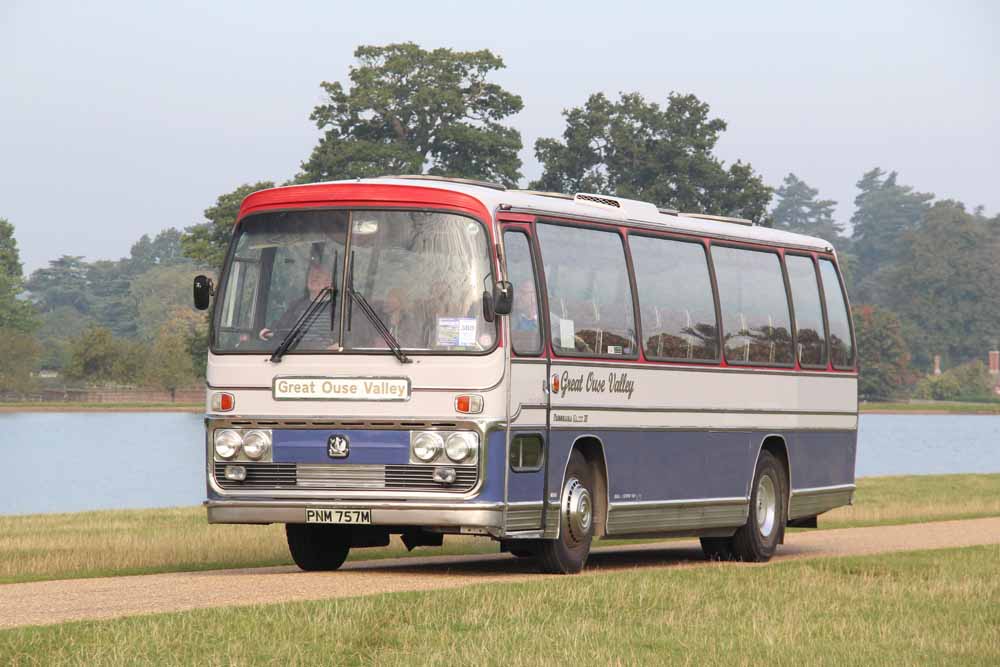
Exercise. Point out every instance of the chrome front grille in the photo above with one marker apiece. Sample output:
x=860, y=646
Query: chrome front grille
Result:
x=259, y=476
x=348, y=477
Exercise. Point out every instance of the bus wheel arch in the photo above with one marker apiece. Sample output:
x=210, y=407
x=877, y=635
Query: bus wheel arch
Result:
x=776, y=445
x=592, y=449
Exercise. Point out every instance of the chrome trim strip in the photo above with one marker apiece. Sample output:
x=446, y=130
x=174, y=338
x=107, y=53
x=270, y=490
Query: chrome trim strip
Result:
x=748, y=411
x=823, y=489
x=812, y=502
x=669, y=516
x=653, y=504
x=669, y=366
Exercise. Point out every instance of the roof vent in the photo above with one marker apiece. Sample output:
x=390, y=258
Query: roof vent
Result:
x=597, y=199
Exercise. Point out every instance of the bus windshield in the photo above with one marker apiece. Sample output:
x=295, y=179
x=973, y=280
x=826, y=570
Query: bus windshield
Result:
x=424, y=274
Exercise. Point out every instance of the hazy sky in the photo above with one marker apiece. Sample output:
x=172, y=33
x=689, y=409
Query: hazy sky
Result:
x=121, y=118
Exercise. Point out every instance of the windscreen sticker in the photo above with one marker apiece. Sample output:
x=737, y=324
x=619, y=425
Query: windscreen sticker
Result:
x=456, y=331
x=567, y=334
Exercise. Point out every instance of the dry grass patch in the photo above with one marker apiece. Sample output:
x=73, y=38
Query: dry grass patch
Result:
x=910, y=608
x=105, y=543
x=91, y=544
x=918, y=498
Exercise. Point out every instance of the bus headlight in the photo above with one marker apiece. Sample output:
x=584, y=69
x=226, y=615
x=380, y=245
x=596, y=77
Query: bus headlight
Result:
x=460, y=446
x=427, y=445
x=256, y=444
x=227, y=443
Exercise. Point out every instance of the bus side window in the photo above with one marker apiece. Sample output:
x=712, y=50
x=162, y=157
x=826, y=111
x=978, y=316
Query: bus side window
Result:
x=675, y=299
x=841, y=342
x=590, y=296
x=755, y=315
x=810, y=332
x=525, y=324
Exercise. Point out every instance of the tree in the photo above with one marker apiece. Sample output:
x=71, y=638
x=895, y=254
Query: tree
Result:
x=971, y=381
x=159, y=292
x=944, y=285
x=206, y=242
x=164, y=249
x=92, y=357
x=636, y=149
x=799, y=210
x=883, y=355
x=56, y=329
x=63, y=283
x=15, y=313
x=20, y=356
x=411, y=111
x=169, y=366
x=884, y=212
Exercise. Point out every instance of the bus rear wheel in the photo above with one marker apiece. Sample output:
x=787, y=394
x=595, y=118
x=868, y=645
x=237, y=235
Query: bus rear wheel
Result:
x=568, y=553
x=316, y=547
x=757, y=540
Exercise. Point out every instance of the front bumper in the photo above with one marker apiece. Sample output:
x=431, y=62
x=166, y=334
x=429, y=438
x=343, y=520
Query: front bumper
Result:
x=488, y=516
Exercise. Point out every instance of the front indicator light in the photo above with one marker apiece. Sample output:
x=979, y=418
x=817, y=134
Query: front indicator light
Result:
x=256, y=444
x=427, y=445
x=236, y=473
x=223, y=402
x=227, y=443
x=459, y=447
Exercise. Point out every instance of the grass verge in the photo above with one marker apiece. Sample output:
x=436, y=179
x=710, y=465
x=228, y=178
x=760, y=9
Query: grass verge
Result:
x=120, y=542
x=933, y=408
x=926, y=607
x=70, y=406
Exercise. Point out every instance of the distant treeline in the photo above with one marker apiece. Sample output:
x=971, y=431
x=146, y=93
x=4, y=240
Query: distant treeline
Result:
x=922, y=273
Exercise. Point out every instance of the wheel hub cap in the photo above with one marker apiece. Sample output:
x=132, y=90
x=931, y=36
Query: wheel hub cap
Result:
x=578, y=507
x=767, y=506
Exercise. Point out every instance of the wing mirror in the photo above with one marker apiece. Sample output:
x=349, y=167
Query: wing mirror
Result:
x=203, y=291
x=503, y=297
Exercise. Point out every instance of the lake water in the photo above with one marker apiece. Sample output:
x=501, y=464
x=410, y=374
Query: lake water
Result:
x=69, y=462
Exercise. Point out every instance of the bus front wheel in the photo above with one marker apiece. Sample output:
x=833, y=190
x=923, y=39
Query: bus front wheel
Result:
x=568, y=553
x=317, y=547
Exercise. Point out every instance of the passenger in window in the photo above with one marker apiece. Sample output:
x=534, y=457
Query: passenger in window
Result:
x=524, y=323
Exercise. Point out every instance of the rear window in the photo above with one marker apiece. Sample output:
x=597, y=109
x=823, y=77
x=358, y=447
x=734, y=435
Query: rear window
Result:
x=809, y=329
x=755, y=318
x=841, y=341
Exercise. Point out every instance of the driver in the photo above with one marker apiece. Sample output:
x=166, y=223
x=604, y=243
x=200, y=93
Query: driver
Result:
x=317, y=277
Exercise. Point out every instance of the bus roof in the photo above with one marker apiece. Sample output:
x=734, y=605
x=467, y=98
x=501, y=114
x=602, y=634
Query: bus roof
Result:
x=604, y=208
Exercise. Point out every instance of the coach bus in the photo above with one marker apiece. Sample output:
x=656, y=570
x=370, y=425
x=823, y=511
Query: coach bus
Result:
x=424, y=356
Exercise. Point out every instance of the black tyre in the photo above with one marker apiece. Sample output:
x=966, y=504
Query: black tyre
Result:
x=764, y=530
x=317, y=547
x=568, y=553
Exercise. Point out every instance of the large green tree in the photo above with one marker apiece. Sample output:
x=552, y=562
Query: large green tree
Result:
x=883, y=354
x=637, y=149
x=169, y=365
x=411, y=111
x=945, y=285
x=800, y=210
x=206, y=242
x=15, y=312
x=885, y=210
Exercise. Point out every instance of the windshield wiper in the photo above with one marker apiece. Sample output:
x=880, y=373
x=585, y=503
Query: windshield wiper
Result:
x=305, y=320
x=380, y=325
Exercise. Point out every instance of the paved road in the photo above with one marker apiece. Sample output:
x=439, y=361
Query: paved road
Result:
x=47, y=602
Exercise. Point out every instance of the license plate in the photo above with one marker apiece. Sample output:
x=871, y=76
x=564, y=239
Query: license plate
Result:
x=338, y=516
